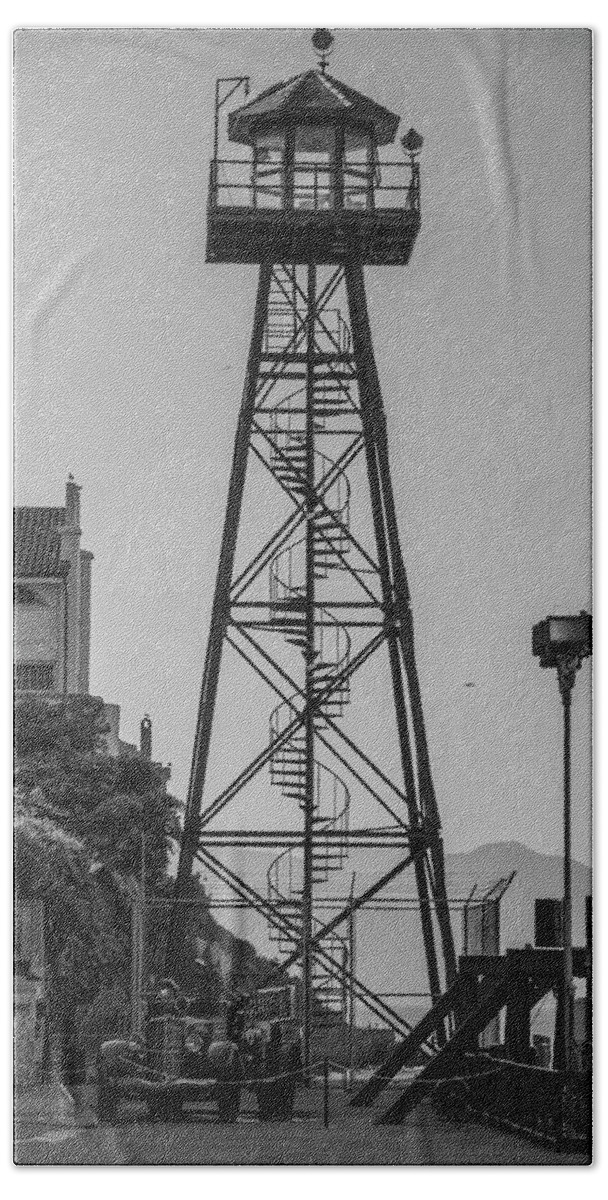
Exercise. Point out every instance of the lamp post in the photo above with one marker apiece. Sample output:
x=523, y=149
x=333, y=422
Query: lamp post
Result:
x=135, y=889
x=563, y=643
x=138, y=933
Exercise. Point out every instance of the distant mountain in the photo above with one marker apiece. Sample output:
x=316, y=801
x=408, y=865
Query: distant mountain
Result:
x=391, y=959
x=537, y=875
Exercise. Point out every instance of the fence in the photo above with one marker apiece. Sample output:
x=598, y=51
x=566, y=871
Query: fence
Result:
x=548, y=1105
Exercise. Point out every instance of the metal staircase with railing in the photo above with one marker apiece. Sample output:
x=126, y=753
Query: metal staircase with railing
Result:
x=332, y=649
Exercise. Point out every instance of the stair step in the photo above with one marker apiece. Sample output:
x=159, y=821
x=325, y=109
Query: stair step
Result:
x=332, y=383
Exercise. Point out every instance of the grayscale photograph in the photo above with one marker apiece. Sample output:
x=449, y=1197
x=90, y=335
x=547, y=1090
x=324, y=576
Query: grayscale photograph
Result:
x=302, y=596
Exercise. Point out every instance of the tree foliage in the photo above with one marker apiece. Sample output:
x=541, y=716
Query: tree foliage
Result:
x=79, y=819
x=63, y=773
x=78, y=810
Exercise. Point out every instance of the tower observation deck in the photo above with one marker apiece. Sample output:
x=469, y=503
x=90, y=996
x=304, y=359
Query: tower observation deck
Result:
x=314, y=187
x=318, y=608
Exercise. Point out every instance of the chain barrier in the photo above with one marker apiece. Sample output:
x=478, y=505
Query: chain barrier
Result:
x=300, y=1072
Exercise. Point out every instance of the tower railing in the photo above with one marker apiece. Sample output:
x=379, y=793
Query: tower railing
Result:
x=236, y=182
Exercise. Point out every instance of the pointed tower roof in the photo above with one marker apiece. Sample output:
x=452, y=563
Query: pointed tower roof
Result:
x=313, y=96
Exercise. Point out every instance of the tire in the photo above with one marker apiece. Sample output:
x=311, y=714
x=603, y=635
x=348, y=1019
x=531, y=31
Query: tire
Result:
x=107, y=1101
x=161, y=1108
x=155, y=1108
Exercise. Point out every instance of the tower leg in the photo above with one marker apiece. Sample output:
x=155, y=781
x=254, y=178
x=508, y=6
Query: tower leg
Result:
x=219, y=619
x=397, y=601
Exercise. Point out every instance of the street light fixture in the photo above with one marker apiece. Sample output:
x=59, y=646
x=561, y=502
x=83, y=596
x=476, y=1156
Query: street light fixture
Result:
x=563, y=643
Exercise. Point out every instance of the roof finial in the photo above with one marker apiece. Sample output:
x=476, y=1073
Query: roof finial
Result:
x=322, y=41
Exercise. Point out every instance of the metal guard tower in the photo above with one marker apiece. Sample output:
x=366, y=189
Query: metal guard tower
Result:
x=327, y=590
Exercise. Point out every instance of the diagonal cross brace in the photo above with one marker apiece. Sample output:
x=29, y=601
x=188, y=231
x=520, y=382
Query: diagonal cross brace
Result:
x=265, y=755
x=269, y=912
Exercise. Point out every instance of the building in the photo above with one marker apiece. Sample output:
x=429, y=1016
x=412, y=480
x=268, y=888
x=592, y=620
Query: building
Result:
x=52, y=610
x=52, y=633
x=52, y=599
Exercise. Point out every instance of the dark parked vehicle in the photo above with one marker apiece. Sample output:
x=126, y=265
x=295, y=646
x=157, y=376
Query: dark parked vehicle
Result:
x=168, y=1069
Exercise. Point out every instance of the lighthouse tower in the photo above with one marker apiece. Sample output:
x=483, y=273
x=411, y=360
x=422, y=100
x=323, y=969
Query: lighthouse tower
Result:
x=319, y=608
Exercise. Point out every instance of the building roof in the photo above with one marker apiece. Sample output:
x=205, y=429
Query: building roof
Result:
x=37, y=542
x=317, y=95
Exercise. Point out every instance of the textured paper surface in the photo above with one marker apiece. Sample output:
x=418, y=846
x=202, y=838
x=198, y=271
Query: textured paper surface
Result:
x=130, y=353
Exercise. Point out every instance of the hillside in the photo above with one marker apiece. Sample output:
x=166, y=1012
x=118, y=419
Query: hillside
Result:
x=537, y=875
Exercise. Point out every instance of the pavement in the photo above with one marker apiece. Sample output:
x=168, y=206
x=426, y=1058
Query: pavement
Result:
x=350, y=1138
x=47, y=1103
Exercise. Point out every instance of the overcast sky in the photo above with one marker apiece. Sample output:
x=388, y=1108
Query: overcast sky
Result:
x=130, y=353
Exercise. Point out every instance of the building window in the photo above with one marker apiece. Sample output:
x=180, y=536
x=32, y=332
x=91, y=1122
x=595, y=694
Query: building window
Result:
x=34, y=677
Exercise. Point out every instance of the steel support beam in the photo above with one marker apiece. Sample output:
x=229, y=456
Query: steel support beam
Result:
x=371, y=405
x=219, y=619
x=366, y=366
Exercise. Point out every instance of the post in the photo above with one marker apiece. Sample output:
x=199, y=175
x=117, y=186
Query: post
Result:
x=138, y=901
x=142, y=925
x=352, y=963
x=563, y=643
x=135, y=957
x=216, y=121
x=310, y=655
x=589, y=980
x=326, y=1092
x=138, y=944
x=566, y=683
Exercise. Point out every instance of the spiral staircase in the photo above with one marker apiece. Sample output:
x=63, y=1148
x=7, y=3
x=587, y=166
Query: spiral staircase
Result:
x=332, y=648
